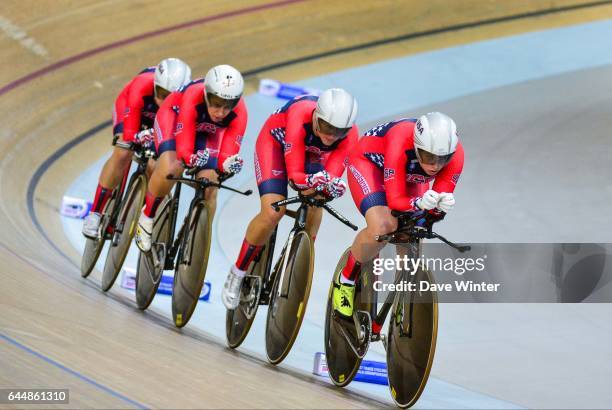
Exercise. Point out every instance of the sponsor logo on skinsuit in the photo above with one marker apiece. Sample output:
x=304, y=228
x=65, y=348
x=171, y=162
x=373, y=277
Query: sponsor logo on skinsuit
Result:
x=257, y=169
x=389, y=174
x=363, y=184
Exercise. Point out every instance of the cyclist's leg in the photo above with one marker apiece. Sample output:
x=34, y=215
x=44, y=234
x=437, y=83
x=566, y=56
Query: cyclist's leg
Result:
x=367, y=189
x=262, y=225
x=167, y=164
x=150, y=167
x=113, y=173
x=313, y=221
x=258, y=232
x=211, y=192
x=271, y=178
x=158, y=187
x=117, y=165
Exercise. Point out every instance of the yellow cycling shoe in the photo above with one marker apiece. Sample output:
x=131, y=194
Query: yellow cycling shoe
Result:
x=343, y=297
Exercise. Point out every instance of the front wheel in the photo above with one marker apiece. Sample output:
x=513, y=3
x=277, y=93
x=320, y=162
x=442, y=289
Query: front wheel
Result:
x=342, y=360
x=413, y=328
x=289, y=297
x=191, y=264
x=128, y=218
x=238, y=321
x=93, y=247
x=150, y=269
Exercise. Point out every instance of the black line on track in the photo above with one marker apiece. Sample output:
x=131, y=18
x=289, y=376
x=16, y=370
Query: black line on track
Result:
x=426, y=33
x=40, y=171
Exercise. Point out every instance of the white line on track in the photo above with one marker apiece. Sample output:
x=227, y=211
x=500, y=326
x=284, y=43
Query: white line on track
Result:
x=17, y=33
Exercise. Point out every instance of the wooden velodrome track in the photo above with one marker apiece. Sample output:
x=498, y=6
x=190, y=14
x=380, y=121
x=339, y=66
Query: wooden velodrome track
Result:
x=63, y=64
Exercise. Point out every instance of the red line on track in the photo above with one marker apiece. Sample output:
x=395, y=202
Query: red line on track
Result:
x=86, y=54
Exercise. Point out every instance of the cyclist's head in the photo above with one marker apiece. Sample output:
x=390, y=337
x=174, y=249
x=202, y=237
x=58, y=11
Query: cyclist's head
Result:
x=223, y=87
x=335, y=115
x=435, y=141
x=170, y=75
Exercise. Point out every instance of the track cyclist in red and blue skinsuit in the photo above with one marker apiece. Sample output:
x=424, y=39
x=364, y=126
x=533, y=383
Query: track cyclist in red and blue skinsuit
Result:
x=201, y=126
x=133, y=115
x=392, y=168
x=306, y=142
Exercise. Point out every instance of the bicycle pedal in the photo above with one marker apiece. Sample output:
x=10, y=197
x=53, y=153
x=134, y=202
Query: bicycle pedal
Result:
x=349, y=332
x=341, y=318
x=264, y=299
x=158, y=252
x=250, y=289
x=379, y=337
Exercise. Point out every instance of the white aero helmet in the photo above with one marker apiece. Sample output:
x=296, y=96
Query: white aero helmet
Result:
x=336, y=112
x=435, y=138
x=223, y=82
x=170, y=75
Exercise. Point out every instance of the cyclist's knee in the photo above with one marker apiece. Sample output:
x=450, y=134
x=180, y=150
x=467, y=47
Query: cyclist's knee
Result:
x=168, y=164
x=271, y=216
x=383, y=225
x=121, y=157
x=211, y=194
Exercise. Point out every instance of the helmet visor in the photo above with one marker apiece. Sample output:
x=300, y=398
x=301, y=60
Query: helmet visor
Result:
x=161, y=93
x=214, y=101
x=432, y=159
x=328, y=129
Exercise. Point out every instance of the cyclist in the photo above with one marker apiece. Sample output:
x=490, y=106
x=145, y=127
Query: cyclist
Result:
x=199, y=126
x=306, y=142
x=133, y=116
x=391, y=168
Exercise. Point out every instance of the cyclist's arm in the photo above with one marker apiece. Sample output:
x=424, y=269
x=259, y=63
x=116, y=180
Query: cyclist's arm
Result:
x=295, y=148
x=232, y=138
x=447, y=179
x=135, y=103
x=397, y=142
x=165, y=120
x=184, y=132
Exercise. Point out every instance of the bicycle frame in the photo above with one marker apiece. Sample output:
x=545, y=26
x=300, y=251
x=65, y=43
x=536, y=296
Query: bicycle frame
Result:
x=299, y=225
x=200, y=185
x=380, y=315
x=141, y=156
x=408, y=236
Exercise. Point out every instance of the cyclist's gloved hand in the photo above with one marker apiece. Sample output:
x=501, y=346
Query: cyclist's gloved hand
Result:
x=428, y=201
x=336, y=188
x=232, y=164
x=446, y=201
x=144, y=138
x=199, y=159
x=319, y=181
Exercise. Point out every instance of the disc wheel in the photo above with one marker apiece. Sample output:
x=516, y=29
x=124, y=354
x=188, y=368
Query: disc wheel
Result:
x=342, y=362
x=413, y=329
x=128, y=214
x=191, y=264
x=286, y=311
x=238, y=321
x=148, y=276
x=93, y=247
